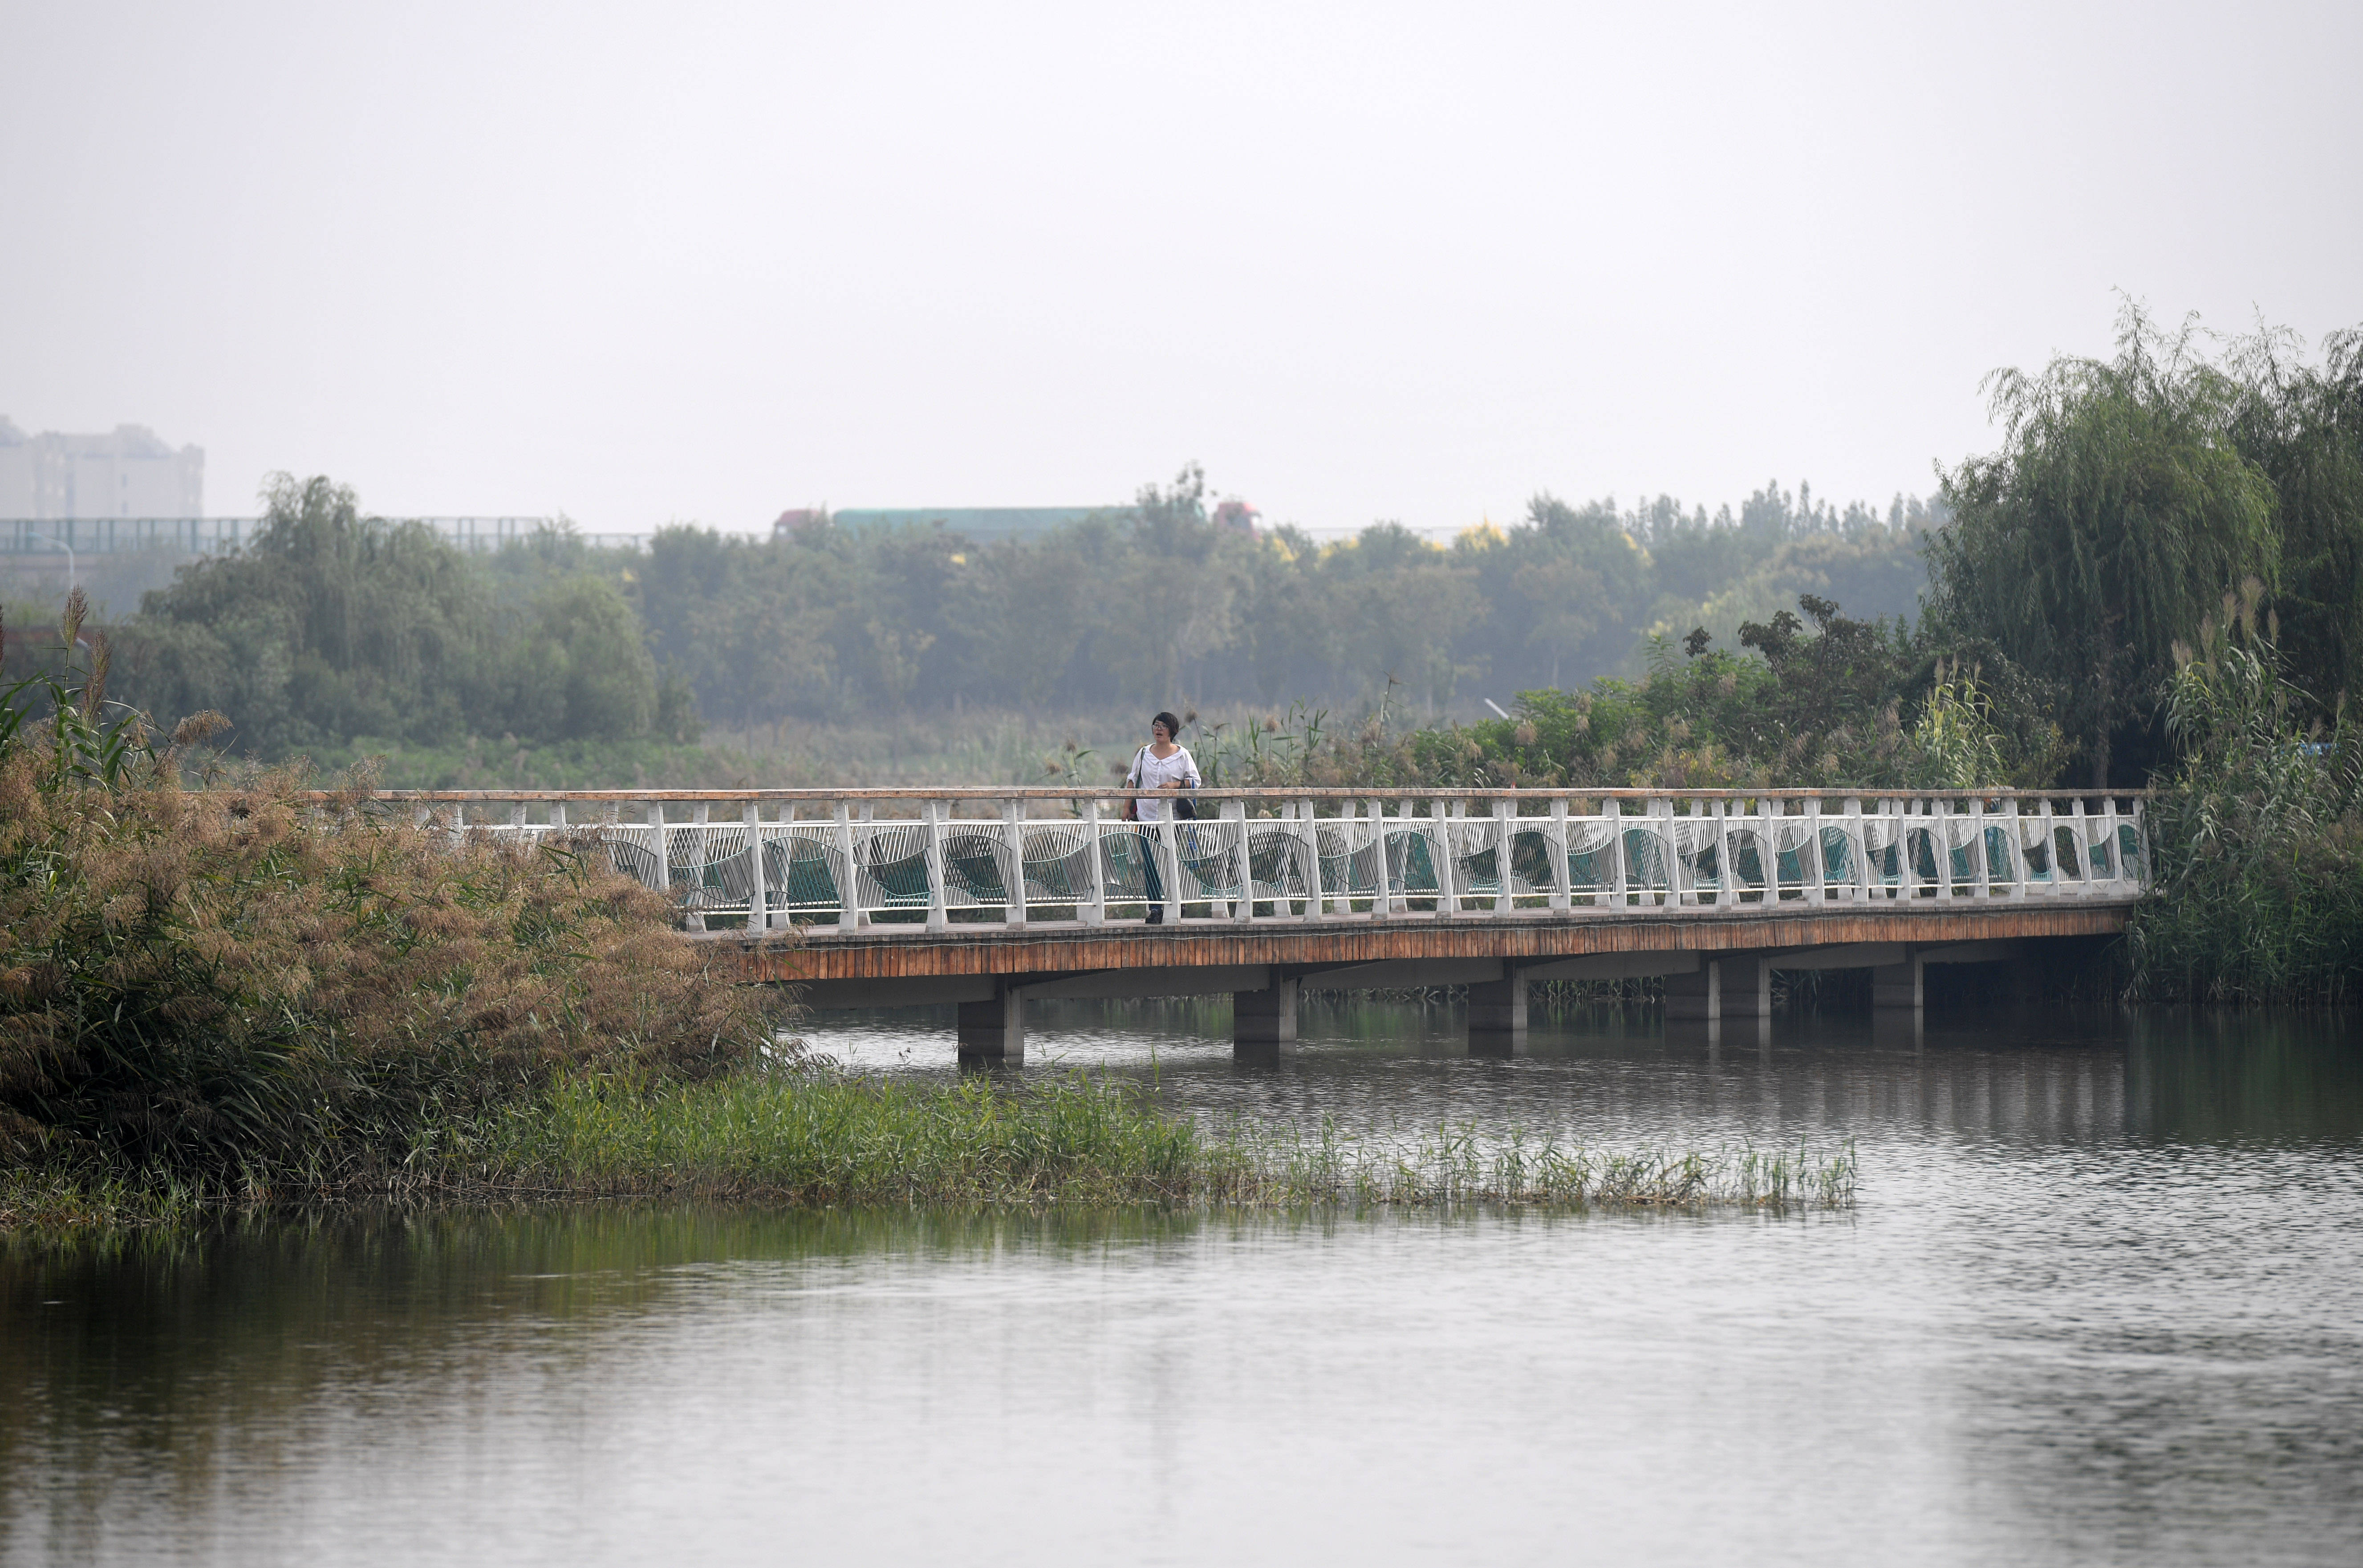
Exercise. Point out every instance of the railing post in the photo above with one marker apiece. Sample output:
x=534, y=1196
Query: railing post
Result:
x=1503, y=819
x=1860, y=843
x=1711, y=838
x=1727, y=864
x=1448, y=898
x=1012, y=827
x=848, y=886
x=1978, y=879
x=2014, y=835
x=1095, y=907
x=1397, y=903
x=1308, y=833
x=2109, y=828
x=1814, y=876
x=931, y=814
x=1317, y=899
x=758, y=895
x=1698, y=815
x=1381, y=902
x=1560, y=897
x=2047, y=826
x=1620, y=874
x=702, y=815
x=1235, y=812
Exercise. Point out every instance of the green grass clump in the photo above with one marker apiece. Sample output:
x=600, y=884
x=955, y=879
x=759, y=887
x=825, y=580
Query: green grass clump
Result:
x=814, y=1137
x=64, y=1199
x=811, y=1136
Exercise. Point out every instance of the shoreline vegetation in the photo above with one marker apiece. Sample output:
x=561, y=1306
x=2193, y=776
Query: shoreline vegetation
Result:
x=213, y=991
x=230, y=995
x=812, y=1137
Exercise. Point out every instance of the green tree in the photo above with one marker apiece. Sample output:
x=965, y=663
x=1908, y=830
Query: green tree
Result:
x=2115, y=514
x=2302, y=424
x=328, y=625
x=603, y=684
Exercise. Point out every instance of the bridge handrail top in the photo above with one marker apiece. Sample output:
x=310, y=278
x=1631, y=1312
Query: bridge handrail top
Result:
x=1055, y=791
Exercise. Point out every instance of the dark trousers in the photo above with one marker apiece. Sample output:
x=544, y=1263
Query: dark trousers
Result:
x=1151, y=832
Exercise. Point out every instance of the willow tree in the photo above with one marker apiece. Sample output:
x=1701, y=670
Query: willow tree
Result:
x=2115, y=514
x=2301, y=423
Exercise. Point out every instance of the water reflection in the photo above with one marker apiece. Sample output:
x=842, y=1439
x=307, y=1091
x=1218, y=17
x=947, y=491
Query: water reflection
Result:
x=2101, y=1303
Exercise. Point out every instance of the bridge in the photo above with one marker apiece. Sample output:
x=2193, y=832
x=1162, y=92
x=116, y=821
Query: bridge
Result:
x=982, y=898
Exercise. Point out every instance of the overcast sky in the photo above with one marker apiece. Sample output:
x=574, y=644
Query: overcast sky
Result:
x=673, y=263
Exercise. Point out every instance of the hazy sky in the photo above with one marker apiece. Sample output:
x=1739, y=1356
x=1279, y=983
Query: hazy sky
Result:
x=654, y=262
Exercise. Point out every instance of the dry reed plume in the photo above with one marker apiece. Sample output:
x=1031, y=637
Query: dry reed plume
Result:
x=228, y=982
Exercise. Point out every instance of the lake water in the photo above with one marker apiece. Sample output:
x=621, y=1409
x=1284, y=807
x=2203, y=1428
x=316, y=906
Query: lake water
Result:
x=2101, y=1301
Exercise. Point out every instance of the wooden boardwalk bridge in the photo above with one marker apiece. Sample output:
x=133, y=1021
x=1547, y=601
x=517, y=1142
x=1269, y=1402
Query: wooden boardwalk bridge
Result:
x=982, y=898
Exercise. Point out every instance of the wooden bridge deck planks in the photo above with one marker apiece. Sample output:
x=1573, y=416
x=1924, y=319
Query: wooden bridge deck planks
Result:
x=1054, y=948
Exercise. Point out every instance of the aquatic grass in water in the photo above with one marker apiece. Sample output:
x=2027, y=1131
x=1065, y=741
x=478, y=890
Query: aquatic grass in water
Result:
x=818, y=1137
x=822, y=1137
x=63, y=1199
x=1462, y=1163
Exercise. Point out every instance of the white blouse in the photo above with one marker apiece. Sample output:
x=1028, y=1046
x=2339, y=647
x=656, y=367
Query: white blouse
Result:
x=1150, y=770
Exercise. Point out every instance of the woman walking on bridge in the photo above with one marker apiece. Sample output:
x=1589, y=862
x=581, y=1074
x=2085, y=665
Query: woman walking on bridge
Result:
x=1163, y=763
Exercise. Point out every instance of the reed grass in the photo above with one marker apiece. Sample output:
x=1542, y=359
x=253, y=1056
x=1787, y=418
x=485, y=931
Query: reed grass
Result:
x=807, y=1137
x=2257, y=834
x=820, y=1137
x=213, y=983
x=64, y=1198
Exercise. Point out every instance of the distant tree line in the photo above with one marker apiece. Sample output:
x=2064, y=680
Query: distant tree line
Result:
x=1170, y=601
x=332, y=625
x=2057, y=582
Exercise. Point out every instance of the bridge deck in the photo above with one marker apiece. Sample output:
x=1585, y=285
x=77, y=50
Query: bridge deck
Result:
x=881, y=963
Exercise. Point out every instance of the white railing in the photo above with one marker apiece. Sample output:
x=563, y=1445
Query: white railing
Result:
x=936, y=858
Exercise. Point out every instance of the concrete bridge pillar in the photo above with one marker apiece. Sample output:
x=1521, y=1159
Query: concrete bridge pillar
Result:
x=1897, y=986
x=1697, y=996
x=1746, y=987
x=993, y=1034
x=1497, y=1017
x=1896, y=993
x=1263, y=1021
x=1736, y=986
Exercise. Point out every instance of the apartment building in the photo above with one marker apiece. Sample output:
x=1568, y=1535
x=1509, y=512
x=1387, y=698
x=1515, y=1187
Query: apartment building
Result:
x=129, y=474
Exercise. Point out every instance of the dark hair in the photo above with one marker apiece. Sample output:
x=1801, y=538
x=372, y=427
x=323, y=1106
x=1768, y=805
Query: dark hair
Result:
x=1173, y=726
